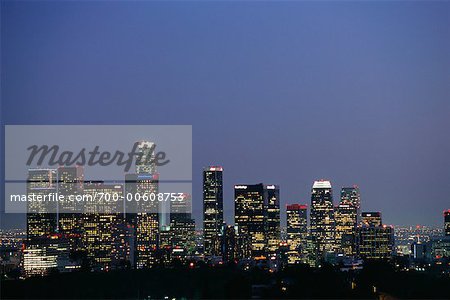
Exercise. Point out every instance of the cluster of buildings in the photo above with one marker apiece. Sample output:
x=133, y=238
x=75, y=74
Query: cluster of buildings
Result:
x=103, y=235
x=105, y=230
x=333, y=233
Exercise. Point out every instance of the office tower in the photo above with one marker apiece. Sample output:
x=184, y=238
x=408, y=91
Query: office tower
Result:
x=347, y=218
x=311, y=255
x=250, y=216
x=45, y=254
x=352, y=196
x=41, y=215
x=346, y=224
x=371, y=219
x=104, y=233
x=229, y=244
x=147, y=222
x=182, y=225
x=272, y=194
x=375, y=242
x=212, y=209
x=447, y=222
x=145, y=161
x=70, y=184
x=297, y=231
x=143, y=216
x=322, y=216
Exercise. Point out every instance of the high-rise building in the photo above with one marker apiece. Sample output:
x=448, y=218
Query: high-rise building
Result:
x=212, y=209
x=104, y=238
x=347, y=216
x=322, y=216
x=371, y=219
x=447, y=222
x=352, y=196
x=297, y=231
x=41, y=215
x=144, y=216
x=251, y=204
x=272, y=193
x=375, y=242
x=145, y=160
x=70, y=183
x=147, y=222
x=182, y=225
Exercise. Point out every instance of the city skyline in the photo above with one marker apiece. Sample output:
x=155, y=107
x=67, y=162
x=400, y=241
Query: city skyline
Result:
x=297, y=90
x=228, y=214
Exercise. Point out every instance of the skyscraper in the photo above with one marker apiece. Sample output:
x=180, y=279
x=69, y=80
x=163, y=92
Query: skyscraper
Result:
x=346, y=223
x=375, y=242
x=257, y=217
x=371, y=218
x=103, y=229
x=272, y=193
x=447, y=222
x=352, y=196
x=212, y=209
x=322, y=216
x=70, y=219
x=41, y=215
x=347, y=217
x=182, y=225
x=297, y=231
x=147, y=222
x=143, y=216
x=250, y=216
x=145, y=160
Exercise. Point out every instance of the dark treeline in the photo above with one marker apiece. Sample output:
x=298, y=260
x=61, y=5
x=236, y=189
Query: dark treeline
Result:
x=229, y=282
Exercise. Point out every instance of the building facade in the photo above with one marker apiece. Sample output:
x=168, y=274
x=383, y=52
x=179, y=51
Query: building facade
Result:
x=212, y=209
x=297, y=232
x=322, y=216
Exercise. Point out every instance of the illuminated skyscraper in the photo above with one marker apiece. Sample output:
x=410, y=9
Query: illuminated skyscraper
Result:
x=272, y=194
x=375, y=242
x=250, y=216
x=297, y=231
x=70, y=218
x=70, y=183
x=145, y=160
x=147, y=222
x=346, y=223
x=41, y=215
x=371, y=218
x=352, y=196
x=104, y=238
x=212, y=209
x=322, y=216
x=143, y=216
x=182, y=226
x=447, y=222
x=347, y=217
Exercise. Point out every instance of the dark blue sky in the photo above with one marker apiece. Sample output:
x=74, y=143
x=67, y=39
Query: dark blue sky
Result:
x=277, y=92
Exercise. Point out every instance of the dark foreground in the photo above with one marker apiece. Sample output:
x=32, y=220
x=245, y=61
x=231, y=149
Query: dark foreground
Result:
x=229, y=282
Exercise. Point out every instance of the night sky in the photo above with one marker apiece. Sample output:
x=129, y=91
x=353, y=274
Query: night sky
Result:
x=277, y=92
